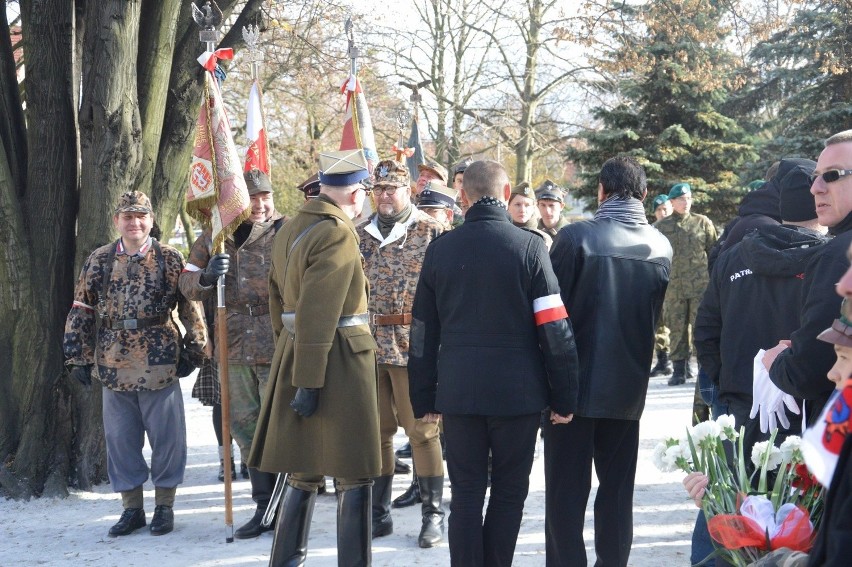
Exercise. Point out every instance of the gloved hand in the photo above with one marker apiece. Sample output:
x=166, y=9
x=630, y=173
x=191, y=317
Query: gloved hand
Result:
x=769, y=400
x=305, y=402
x=217, y=266
x=82, y=373
x=184, y=365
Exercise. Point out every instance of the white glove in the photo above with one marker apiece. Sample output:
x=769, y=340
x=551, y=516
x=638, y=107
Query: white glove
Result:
x=768, y=399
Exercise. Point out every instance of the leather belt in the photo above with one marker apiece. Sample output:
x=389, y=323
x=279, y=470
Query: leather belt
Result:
x=132, y=324
x=378, y=319
x=250, y=310
x=289, y=321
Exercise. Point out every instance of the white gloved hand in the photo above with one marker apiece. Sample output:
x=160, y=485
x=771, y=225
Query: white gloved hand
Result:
x=768, y=399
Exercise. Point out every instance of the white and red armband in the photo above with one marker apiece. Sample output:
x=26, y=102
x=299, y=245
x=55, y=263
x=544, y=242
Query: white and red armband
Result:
x=548, y=309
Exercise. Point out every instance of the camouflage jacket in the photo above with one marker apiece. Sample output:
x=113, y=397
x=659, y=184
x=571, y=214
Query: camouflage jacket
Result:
x=246, y=291
x=132, y=359
x=691, y=236
x=393, y=267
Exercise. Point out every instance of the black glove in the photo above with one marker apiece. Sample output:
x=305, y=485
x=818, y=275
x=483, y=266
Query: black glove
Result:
x=305, y=402
x=82, y=373
x=217, y=266
x=185, y=366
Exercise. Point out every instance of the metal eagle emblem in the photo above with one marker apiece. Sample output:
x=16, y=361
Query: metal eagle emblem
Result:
x=209, y=17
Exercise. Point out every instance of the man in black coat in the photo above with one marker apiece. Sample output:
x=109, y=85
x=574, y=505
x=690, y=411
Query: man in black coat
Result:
x=798, y=366
x=491, y=347
x=613, y=272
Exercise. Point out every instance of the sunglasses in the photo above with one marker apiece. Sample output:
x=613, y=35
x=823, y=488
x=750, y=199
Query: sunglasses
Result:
x=831, y=175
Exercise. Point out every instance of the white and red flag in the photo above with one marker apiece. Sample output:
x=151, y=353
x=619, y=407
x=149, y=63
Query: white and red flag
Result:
x=217, y=193
x=357, y=126
x=257, y=155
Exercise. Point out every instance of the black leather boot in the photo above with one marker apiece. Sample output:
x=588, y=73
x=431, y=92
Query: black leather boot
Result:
x=353, y=527
x=432, y=492
x=262, y=485
x=400, y=468
x=131, y=520
x=664, y=365
x=679, y=374
x=382, y=521
x=410, y=497
x=290, y=543
x=163, y=521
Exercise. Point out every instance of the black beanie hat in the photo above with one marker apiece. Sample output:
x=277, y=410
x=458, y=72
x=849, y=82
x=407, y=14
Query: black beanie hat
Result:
x=797, y=203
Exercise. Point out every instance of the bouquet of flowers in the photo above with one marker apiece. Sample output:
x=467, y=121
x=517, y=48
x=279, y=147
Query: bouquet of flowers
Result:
x=748, y=515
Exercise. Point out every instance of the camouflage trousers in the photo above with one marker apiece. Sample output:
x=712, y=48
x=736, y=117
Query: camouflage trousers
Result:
x=661, y=337
x=246, y=386
x=679, y=316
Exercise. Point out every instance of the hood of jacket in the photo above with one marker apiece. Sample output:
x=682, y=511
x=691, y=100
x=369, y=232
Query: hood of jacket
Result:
x=780, y=251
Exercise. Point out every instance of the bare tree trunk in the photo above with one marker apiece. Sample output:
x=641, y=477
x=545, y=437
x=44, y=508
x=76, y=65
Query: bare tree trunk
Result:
x=525, y=148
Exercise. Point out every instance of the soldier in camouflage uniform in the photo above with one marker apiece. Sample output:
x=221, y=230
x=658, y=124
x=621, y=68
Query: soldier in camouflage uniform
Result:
x=662, y=208
x=393, y=244
x=120, y=329
x=550, y=201
x=691, y=236
x=245, y=264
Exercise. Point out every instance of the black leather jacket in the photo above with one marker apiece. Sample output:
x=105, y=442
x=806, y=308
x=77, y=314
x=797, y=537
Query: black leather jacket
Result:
x=613, y=278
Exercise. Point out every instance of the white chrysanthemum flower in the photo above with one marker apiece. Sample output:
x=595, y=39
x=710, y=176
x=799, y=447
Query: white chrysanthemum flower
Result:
x=791, y=449
x=759, y=454
x=659, y=457
x=728, y=426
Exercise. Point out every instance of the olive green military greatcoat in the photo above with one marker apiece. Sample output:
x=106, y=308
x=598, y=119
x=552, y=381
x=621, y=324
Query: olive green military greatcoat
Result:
x=323, y=281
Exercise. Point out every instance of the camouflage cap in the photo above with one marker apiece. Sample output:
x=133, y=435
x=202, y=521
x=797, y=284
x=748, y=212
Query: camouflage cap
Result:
x=840, y=332
x=392, y=173
x=679, y=190
x=134, y=202
x=257, y=182
x=435, y=168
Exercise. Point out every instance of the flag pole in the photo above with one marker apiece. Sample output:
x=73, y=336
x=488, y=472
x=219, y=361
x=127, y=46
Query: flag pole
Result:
x=209, y=18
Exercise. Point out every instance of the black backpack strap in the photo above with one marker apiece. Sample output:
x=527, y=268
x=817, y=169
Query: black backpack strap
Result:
x=277, y=224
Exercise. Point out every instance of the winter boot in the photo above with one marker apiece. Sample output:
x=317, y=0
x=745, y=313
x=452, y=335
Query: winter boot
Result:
x=222, y=464
x=262, y=485
x=679, y=374
x=664, y=365
x=410, y=497
x=290, y=543
x=432, y=491
x=382, y=521
x=353, y=527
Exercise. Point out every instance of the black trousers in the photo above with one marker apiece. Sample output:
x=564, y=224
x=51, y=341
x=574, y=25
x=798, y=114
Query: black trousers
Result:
x=511, y=442
x=569, y=450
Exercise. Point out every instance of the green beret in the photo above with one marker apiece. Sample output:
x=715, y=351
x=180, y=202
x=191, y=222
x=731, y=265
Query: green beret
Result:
x=679, y=190
x=659, y=200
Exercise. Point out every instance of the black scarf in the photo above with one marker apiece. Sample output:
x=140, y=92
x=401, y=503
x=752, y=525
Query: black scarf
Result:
x=386, y=223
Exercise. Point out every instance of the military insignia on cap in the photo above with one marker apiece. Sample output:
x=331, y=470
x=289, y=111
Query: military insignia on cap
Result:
x=383, y=171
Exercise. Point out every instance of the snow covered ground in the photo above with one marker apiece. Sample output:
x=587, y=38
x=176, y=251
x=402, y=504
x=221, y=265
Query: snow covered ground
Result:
x=73, y=531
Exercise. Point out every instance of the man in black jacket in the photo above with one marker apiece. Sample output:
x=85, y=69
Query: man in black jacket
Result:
x=613, y=272
x=491, y=347
x=798, y=366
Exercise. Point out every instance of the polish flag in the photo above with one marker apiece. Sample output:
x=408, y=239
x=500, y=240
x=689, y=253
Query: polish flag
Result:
x=548, y=309
x=257, y=156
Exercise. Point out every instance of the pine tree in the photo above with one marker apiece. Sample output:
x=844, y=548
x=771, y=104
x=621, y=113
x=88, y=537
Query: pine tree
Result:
x=671, y=76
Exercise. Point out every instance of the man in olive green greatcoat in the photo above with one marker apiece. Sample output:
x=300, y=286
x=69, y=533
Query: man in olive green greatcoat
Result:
x=319, y=416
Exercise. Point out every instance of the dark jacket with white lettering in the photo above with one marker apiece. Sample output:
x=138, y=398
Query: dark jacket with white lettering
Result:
x=613, y=276
x=476, y=347
x=751, y=303
x=801, y=369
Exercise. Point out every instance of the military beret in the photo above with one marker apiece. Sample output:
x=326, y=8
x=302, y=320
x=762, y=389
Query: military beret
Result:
x=257, y=182
x=679, y=190
x=436, y=195
x=523, y=189
x=660, y=200
x=840, y=332
x=342, y=168
x=435, y=168
x=392, y=173
x=549, y=190
x=134, y=202
x=755, y=185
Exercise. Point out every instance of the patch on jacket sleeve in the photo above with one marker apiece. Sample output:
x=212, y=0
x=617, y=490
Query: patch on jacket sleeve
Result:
x=417, y=338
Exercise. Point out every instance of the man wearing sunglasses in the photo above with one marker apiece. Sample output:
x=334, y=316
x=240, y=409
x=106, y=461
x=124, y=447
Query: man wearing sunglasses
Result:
x=393, y=243
x=798, y=366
